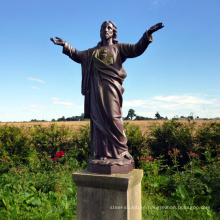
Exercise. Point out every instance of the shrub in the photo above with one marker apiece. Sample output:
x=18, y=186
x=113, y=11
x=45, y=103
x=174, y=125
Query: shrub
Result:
x=207, y=139
x=51, y=139
x=136, y=141
x=171, y=134
x=14, y=144
x=82, y=143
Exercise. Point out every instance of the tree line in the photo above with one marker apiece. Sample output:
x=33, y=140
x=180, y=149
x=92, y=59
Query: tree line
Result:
x=130, y=116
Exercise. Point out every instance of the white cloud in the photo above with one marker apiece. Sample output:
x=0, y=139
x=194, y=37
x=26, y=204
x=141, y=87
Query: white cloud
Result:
x=184, y=99
x=34, y=87
x=135, y=103
x=172, y=105
x=37, y=106
x=171, y=102
x=55, y=99
x=63, y=103
x=37, y=80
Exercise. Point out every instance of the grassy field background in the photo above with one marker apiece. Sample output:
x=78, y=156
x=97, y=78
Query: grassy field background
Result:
x=144, y=125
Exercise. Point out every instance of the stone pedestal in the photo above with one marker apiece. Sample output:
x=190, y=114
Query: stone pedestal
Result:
x=108, y=197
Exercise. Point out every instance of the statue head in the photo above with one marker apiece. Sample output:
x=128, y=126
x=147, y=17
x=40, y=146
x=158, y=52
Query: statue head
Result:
x=115, y=32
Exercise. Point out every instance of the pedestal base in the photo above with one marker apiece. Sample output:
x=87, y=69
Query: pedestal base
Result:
x=106, y=169
x=108, y=197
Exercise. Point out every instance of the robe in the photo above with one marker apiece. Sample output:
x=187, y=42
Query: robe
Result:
x=102, y=78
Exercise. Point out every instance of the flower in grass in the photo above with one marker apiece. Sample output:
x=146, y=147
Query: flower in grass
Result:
x=6, y=160
x=58, y=154
x=149, y=159
x=192, y=154
x=49, y=155
x=169, y=152
x=203, y=169
x=62, y=153
x=181, y=156
x=19, y=168
x=216, y=146
x=54, y=159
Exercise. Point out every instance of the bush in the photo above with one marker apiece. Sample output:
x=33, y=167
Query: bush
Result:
x=207, y=139
x=136, y=141
x=82, y=142
x=51, y=139
x=170, y=135
x=14, y=144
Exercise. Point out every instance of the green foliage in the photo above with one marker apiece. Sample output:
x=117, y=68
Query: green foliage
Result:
x=14, y=143
x=82, y=142
x=28, y=195
x=207, y=138
x=131, y=114
x=51, y=139
x=142, y=118
x=194, y=186
x=171, y=134
x=181, y=164
x=208, y=134
x=136, y=141
x=158, y=116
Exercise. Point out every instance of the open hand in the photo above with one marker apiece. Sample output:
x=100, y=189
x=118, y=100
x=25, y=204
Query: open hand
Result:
x=154, y=28
x=59, y=41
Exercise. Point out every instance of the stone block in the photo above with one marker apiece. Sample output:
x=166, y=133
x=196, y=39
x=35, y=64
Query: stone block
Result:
x=108, y=197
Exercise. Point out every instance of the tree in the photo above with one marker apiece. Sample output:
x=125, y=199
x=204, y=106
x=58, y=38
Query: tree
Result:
x=142, y=118
x=61, y=119
x=82, y=117
x=157, y=115
x=131, y=114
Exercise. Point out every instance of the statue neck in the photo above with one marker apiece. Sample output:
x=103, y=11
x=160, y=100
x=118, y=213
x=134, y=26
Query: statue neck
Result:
x=107, y=42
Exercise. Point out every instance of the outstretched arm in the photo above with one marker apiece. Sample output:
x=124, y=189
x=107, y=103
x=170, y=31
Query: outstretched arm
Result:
x=68, y=50
x=134, y=50
x=154, y=28
x=59, y=41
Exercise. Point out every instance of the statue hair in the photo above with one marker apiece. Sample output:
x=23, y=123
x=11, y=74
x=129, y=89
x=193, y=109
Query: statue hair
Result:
x=115, y=33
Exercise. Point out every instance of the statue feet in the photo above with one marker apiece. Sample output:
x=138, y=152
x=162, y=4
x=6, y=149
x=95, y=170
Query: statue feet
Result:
x=128, y=156
x=125, y=159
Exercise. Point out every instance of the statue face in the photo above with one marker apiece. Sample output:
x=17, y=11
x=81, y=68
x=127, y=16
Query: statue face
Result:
x=107, y=30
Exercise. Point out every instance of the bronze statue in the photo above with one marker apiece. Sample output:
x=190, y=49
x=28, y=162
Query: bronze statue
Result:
x=102, y=78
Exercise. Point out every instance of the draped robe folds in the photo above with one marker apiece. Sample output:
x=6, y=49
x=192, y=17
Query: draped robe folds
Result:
x=102, y=78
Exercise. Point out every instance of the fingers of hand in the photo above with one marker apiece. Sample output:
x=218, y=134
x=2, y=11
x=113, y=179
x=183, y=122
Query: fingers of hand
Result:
x=160, y=25
x=52, y=40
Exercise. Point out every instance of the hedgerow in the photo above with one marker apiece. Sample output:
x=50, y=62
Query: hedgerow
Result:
x=180, y=161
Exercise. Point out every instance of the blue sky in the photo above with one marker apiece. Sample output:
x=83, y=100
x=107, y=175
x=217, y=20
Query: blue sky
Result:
x=179, y=73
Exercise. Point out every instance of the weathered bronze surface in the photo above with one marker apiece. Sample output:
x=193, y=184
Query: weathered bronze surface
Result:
x=102, y=78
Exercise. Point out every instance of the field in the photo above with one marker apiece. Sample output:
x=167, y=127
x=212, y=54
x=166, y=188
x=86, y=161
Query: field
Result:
x=144, y=125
